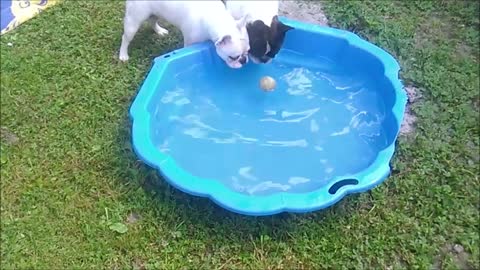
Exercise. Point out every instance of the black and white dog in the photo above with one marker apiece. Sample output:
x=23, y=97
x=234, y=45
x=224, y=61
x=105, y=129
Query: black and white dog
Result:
x=266, y=33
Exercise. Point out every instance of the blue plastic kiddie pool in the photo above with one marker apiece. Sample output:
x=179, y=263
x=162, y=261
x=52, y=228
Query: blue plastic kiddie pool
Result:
x=327, y=130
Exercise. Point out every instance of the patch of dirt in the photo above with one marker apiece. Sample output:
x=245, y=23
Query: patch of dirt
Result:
x=133, y=218
x=457, y=252
x=306, y=11
x=138, y=264
x=398, y=263
x=476, y=103
x=8, y=137
x=463, y=50
x=433, y=26
x=409, y=118
x=435, y=29
x=475, y=154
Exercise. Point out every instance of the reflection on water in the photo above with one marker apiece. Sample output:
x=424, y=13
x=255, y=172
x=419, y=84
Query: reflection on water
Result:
x=317, y=124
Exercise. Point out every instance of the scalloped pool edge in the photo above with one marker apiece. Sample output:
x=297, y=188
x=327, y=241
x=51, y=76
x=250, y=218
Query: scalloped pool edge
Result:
x=276, y=203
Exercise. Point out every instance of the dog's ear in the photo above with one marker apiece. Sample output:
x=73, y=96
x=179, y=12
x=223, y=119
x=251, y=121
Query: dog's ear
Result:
x=242, y=22
x=223, y=41
x=278, y=26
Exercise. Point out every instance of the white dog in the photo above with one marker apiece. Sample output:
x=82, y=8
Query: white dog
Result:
x=266, y=33
x=198, y=21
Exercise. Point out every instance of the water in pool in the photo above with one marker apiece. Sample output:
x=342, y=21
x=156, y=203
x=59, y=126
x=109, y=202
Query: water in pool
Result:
x=319, y=122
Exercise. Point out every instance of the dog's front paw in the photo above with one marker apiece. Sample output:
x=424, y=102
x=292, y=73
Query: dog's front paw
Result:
x=160, y=30
x=123, y=57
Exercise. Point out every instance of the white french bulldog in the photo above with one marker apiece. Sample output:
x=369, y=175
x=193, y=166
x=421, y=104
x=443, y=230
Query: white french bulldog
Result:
x=198, y=21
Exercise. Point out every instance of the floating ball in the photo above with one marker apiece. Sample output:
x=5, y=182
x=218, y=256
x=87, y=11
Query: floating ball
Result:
x=267, y=83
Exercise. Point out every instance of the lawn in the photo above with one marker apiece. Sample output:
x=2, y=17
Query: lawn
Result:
x=74, y=196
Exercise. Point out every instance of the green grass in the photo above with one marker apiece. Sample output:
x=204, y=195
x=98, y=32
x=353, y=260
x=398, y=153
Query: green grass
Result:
x=73, y=173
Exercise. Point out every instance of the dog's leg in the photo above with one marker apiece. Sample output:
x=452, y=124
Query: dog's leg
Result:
x=187, y=40
x=157, y=28
x=130, y=28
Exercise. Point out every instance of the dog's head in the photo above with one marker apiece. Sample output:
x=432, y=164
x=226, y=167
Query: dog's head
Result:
x=233, y=48
x=266, y=41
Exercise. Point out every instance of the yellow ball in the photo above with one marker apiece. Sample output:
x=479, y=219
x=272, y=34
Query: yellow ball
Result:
x=267, y=83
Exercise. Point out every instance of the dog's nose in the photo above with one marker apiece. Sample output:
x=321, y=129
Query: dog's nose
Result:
x=243, y=60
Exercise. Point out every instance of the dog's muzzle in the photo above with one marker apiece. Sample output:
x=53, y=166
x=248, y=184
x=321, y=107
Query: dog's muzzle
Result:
x=243, y=60
x=261, y=60
x=265, y=59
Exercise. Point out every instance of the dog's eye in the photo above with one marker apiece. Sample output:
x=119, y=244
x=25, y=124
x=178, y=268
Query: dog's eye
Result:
x=24, y=4
x=234, y=58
